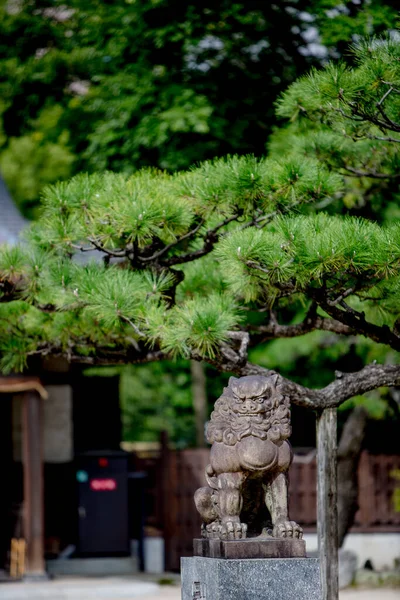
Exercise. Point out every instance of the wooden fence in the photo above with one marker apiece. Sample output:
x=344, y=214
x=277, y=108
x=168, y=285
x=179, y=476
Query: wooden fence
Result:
x=182, y=472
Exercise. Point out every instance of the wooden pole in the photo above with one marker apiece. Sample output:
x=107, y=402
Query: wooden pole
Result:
x=199, y=394
x=164, y=494
x=327, y=502
x=33, y=485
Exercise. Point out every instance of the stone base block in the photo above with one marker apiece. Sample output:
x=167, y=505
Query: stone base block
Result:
x=250, y=579
x=250, y=548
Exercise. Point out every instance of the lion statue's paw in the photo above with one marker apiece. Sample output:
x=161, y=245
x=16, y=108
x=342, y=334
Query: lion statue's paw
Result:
x=287, y=529
x=233, y=531
x=225, y=531
x=212, y=530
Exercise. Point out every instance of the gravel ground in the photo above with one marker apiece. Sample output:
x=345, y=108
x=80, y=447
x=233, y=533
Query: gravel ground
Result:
x=115, y=588
x=174, y=593
x=379, y=594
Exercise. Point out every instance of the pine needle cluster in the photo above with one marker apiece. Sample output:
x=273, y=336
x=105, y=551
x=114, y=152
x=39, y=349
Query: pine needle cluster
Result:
x=349, y=117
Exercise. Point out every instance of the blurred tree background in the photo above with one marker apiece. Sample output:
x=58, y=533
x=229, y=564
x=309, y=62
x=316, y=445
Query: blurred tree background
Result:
x=125, y=84
x=89, y=86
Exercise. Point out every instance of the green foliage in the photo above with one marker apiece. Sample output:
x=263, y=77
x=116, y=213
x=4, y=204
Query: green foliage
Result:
x=340, y=21
x=374, y=403
x=157, y=398
x=31, y=161
x=121, y=210
x=346, y=118
x=147, y=84
x=306, y=252
x=199, y=325
x=201, y=278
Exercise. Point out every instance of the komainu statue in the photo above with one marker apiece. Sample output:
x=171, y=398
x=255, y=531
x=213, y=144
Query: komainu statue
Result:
x=250, y=456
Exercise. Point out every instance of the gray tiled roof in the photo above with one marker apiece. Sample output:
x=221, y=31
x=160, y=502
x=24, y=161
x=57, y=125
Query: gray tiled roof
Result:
x=11, y=220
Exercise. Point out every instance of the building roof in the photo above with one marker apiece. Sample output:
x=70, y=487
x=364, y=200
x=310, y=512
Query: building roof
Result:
x=11, y=220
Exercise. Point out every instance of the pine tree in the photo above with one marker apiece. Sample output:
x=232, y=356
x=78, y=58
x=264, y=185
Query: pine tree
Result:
x=207, y=263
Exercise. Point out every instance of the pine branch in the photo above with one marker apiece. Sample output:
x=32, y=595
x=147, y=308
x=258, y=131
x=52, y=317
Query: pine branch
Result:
x=346, y=386
x=244, y=338
x=371, y=174
x=356, y=320
x=386, y=124
x=82, y=248
x=104, y=355
x=260, y=221
x=311, y=323
x=379, y=106
x=381, y=138
x=135, y=329
x=359, y=115
x=170, y=295
x=164, y=250
x=255, y=265
x=114, y=253
x=341, y=297
x=210, y=239
x=117, y=357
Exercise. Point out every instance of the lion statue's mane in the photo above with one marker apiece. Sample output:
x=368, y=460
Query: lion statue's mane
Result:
x=229, y=426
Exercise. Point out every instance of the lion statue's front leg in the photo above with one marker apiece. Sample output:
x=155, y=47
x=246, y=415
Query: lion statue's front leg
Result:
x=276, y=499
x=220, y=507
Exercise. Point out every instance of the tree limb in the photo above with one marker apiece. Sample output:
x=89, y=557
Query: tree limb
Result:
x=275, y=330
x=210, y=239
x=371, y=174
x=105, y=356
x=357, y=321
x=345, y=386
x=382, y=138
x=371, y=377
x=98, y=246
x=164, y=250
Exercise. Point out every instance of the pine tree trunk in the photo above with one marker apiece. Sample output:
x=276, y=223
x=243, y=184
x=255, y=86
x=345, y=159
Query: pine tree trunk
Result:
x=348, y=456
x=199, y=394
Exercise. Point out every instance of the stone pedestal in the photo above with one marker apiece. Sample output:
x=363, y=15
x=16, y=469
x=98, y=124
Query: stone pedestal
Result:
x=250, y=579
x=256, y=547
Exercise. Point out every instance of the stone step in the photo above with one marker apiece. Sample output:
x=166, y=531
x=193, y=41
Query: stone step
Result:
x=93, y=566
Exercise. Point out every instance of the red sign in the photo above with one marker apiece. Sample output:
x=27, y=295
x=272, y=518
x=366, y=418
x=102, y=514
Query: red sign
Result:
x=103, y=485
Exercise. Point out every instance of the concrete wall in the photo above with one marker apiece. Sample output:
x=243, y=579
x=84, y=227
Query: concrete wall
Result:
x=380, y=548
x=57, y=425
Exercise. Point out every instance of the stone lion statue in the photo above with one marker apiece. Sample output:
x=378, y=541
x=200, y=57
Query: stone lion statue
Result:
x=249, y=459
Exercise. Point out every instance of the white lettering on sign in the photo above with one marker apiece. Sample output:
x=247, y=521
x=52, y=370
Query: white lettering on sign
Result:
x=103, y=485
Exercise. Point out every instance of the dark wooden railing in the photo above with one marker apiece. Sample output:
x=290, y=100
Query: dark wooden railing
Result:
x=183, y=473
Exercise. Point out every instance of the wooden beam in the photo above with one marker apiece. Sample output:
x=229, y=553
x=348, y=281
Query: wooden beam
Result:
x=32, y=449
x=16, y=385
x=327, y=521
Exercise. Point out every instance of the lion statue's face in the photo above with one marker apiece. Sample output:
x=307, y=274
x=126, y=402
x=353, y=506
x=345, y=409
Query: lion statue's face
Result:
x=250, y=406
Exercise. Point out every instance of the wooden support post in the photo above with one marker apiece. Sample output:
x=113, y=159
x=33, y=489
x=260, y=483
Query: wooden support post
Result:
x=199, y=393
x=164, y=494
x=33, y=484
x=327, y=502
